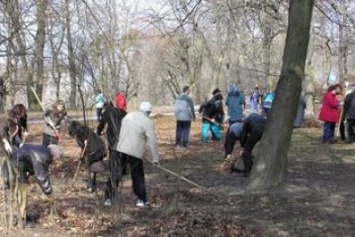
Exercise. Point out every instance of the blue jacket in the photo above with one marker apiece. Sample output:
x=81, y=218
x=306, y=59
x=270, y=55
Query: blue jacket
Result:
x=268, y=100
x=235, y=101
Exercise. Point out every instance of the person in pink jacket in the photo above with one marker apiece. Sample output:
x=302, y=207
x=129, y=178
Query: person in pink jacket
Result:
x=329, y=112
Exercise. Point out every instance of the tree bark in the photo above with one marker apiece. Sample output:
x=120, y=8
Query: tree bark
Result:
x=342, y=51
x=267, y=40
x=15, y=15
x=71, y=58
x=271, y=155
x=40, y=40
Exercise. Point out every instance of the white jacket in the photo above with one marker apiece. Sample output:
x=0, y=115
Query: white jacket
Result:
x=137, y=132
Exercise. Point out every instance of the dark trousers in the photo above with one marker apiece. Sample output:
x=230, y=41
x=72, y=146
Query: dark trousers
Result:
x=328, y=131
x=118, y=165
x=91, y=183
x=351, y=129
x=342, y=130
x=182, y=132
x=48, y=139
x=267, y=112
x=99, y=114
x=231, y=139
x=247, y=157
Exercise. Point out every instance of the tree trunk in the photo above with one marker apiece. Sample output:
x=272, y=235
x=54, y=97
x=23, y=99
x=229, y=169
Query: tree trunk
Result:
x=14, y=15
x=267, y=40
x=342, y=51
x=71, y=59
x=40, y=40
x=271, y=155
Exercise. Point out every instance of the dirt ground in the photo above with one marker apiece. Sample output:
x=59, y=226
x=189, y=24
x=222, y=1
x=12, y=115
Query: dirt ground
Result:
x=317, y=197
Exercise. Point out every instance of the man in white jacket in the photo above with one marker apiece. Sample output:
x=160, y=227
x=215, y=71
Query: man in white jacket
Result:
x=137, y=133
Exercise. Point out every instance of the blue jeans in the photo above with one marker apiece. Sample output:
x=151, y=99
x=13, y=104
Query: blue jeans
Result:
x=182, y=133
x=214, y=128
x=328, y=131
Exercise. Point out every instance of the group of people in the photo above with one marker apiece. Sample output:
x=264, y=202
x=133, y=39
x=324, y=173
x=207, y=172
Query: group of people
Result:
x=128, y=134
x=248, y=130
x=338, y=107
x=19, y=160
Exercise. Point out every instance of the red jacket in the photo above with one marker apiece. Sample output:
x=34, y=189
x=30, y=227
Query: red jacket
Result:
x=330, y=108
x=120, y=102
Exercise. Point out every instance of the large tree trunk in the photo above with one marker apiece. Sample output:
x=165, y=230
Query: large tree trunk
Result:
x=271, y=155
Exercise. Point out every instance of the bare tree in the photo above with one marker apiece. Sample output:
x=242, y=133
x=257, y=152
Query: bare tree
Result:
x=271, y=157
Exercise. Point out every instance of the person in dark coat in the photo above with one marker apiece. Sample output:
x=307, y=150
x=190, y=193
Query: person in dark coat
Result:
x=251, y=134
x=93, y=149
x=113, y=118
x=349, y=112
x=329, y=113
x=300, y=112
x=212, y=116
x=30, y=160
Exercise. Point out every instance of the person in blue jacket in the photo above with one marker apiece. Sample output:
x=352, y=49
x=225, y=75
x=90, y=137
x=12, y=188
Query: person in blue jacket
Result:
x=267, y=103
x=235, y=103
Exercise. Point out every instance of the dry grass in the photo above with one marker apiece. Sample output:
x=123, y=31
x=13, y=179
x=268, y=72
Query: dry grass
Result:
x=317, y=192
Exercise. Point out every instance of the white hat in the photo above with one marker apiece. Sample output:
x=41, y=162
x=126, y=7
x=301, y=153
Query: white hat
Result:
x=145, y=106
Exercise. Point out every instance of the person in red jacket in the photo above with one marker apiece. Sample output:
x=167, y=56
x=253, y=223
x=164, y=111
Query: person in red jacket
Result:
x=329, y=112
x=120, y=101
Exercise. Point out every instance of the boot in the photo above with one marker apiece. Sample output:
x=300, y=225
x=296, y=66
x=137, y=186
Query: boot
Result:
x=91, y=186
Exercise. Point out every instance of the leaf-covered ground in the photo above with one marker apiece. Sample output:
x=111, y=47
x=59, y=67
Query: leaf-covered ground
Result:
x=316, y=199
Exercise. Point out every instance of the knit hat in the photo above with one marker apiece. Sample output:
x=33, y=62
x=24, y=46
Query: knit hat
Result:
x=145, y=106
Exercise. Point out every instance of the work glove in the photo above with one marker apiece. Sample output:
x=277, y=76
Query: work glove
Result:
x=58, y=137
x=7, y=146
x=82, y=160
